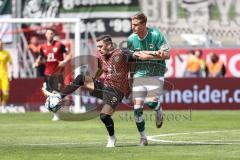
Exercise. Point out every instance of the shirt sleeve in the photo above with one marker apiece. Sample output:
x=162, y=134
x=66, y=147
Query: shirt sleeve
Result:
x=160, y=40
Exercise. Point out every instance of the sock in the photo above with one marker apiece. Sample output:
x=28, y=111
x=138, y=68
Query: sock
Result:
x=138, y=114
x=55, y=114
x=109, y=124
x=143, y=135
x=77, y=82
x=112, y=137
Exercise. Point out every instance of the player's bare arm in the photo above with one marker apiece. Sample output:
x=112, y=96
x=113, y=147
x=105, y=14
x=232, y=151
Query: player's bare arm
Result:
x=67, y=57
x=37, y=62
x=150, y=55
x=41, y=59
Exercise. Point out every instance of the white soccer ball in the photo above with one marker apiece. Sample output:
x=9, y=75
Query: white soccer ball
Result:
x=54, y=102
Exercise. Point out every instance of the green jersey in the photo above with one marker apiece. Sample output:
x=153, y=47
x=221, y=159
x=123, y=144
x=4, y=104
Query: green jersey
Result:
x=152, y=42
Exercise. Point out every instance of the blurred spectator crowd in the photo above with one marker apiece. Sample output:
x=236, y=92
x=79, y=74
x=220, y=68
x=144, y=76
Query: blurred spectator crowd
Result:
x=197, y=66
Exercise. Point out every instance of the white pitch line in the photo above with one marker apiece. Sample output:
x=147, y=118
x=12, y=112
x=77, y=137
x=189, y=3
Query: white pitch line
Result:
x=186, y=133
x=152, y=138
x=194, y=142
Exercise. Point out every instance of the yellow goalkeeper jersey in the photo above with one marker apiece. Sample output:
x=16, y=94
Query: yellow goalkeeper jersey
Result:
x=5, y=58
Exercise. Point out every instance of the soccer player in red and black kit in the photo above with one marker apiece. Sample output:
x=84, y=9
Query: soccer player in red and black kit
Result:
x=113, y=63
x=54, y=54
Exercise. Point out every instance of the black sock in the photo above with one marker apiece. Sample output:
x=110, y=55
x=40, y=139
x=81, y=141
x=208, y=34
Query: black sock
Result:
x=109, y=124
x=77, y=82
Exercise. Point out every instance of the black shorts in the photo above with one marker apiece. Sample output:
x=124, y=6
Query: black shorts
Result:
x=54, y=83
x=109, y=95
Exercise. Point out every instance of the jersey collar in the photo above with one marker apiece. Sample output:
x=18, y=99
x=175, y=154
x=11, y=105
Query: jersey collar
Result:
x=143, y=37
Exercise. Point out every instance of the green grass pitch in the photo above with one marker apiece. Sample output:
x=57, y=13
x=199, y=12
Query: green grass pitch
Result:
x=185, y=135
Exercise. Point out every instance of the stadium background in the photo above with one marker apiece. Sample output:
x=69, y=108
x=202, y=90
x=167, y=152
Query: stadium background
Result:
x=201, y=115
x=212, y=26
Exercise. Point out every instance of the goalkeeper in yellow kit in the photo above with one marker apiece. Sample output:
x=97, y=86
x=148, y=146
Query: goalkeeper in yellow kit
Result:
x=5, y=60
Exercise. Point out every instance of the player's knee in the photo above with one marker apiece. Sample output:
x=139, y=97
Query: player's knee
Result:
x=106, y=119
x=5, y=92
x=139, y=93
x=138, y=115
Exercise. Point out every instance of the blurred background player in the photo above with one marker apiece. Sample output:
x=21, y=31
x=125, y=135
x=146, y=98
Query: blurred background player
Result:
x=34, y=48
x=5, y=60
x=198, y=53
x=215, y=67
x=193, y=65
x=113, y=63
x=151, y=50
x=54, y=54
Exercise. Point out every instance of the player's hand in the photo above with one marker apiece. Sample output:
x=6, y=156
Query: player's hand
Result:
x=37, y=62
x=35, y=65
x=136, y=54
x=160, y=53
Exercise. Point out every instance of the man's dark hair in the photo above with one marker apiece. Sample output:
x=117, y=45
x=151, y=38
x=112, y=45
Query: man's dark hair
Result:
x=105, y=38
x=141, y=17
x=214, y=58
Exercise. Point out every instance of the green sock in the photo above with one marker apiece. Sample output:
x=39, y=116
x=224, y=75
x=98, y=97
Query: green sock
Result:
x=138, y=114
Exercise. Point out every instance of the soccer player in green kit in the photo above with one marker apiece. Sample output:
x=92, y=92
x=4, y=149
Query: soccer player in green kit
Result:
x=150, y=50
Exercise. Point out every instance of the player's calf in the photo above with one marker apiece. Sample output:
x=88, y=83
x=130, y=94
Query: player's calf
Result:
x=109, y=124
x=77, y=82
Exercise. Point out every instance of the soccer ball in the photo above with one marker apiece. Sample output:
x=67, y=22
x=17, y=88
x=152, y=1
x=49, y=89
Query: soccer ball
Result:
x=53, y=102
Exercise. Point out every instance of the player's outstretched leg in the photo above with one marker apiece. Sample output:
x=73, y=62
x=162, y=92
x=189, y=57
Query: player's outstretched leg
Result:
x=54, y=99
x=77, y=82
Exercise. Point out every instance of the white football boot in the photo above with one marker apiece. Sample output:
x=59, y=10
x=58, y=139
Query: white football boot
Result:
x=111, y=142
